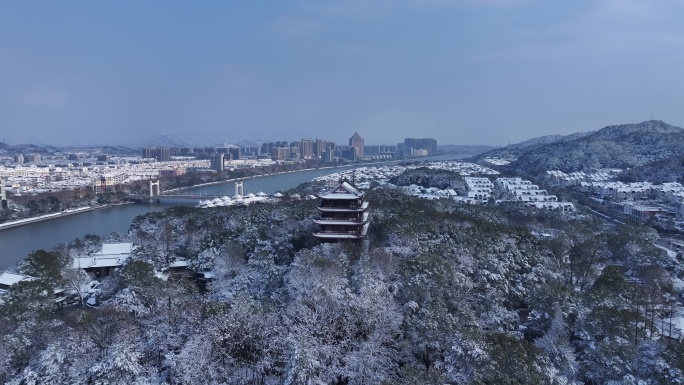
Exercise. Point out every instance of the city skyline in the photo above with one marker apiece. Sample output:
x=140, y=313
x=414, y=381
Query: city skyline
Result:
x=463, y=72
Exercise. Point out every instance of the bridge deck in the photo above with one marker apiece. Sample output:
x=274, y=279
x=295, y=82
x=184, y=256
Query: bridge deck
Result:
x=172, y=196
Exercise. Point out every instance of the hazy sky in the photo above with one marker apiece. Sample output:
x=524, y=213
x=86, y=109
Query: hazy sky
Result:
x=461, y=71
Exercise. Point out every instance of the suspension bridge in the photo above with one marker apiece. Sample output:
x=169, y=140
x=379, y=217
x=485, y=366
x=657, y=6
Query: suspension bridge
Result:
x=156, y=195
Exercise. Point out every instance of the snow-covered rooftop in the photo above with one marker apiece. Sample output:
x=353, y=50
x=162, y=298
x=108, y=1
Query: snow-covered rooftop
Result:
x=8, y=279
x=116, y=248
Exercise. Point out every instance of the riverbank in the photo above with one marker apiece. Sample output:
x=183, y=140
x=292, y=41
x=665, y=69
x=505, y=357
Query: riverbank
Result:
x=61, y=214
x=65, y=213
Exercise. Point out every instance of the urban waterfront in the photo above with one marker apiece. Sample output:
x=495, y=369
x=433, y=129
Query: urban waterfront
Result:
x=17, y=242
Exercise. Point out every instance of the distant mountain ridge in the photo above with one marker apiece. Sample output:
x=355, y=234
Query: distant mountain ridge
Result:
x=547, y=139
x=26, y=149
x=517, y=149
x=169, y=140
x=463, y=151
x=162, y=140
x=620, y=146
x=538, y=141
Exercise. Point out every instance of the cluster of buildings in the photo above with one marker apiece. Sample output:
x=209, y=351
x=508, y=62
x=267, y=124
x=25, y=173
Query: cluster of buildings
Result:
x=33, y=174
x=639, y=201
x=521, y=190
x=479, y=189
x=32, y=179
x=329, y=152
x=292, y=151
x=26, y=180
x=27, y=158
x=382, y=174
x=430, y=193
x=577, y=178
x=495, y=161
x=619, y=190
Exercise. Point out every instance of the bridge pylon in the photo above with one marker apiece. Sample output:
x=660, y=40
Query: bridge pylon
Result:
x=3, y=194
x=152, y=185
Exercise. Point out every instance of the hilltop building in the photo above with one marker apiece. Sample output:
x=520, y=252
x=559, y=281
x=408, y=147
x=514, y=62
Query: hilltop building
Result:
x=344, y=214
x=101, y=264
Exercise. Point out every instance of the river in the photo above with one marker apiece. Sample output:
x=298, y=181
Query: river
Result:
x=17, y=242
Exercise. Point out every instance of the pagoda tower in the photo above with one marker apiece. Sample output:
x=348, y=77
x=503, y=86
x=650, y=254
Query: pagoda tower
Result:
x=344, y=214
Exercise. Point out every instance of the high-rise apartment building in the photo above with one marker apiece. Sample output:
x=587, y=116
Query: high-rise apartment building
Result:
x=414, y=145
x=318, y=148
x=380, y=150
x=356, y=141
x=216, y=162
x=327, y=156
x=294, y=152
x=349, y=153
x=235, y=153
x=33, y=158
x=306, y=148
x=280, y=153
x=162, y=154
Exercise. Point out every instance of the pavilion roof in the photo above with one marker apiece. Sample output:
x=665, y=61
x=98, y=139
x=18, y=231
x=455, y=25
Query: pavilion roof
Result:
x=343, y=191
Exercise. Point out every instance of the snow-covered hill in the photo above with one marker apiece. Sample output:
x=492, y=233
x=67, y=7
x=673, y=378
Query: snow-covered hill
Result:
x=620, y=146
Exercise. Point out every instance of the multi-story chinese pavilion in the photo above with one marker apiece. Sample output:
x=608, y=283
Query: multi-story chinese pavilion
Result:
x=344, y=214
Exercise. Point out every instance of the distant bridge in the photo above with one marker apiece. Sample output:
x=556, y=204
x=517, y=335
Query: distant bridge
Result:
x=160, y=197
x=177, y=197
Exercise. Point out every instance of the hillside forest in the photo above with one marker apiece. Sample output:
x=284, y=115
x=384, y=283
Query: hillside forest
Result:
x=439, y=293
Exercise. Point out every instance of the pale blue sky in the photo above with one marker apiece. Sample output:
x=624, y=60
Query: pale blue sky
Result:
x=461, y=71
